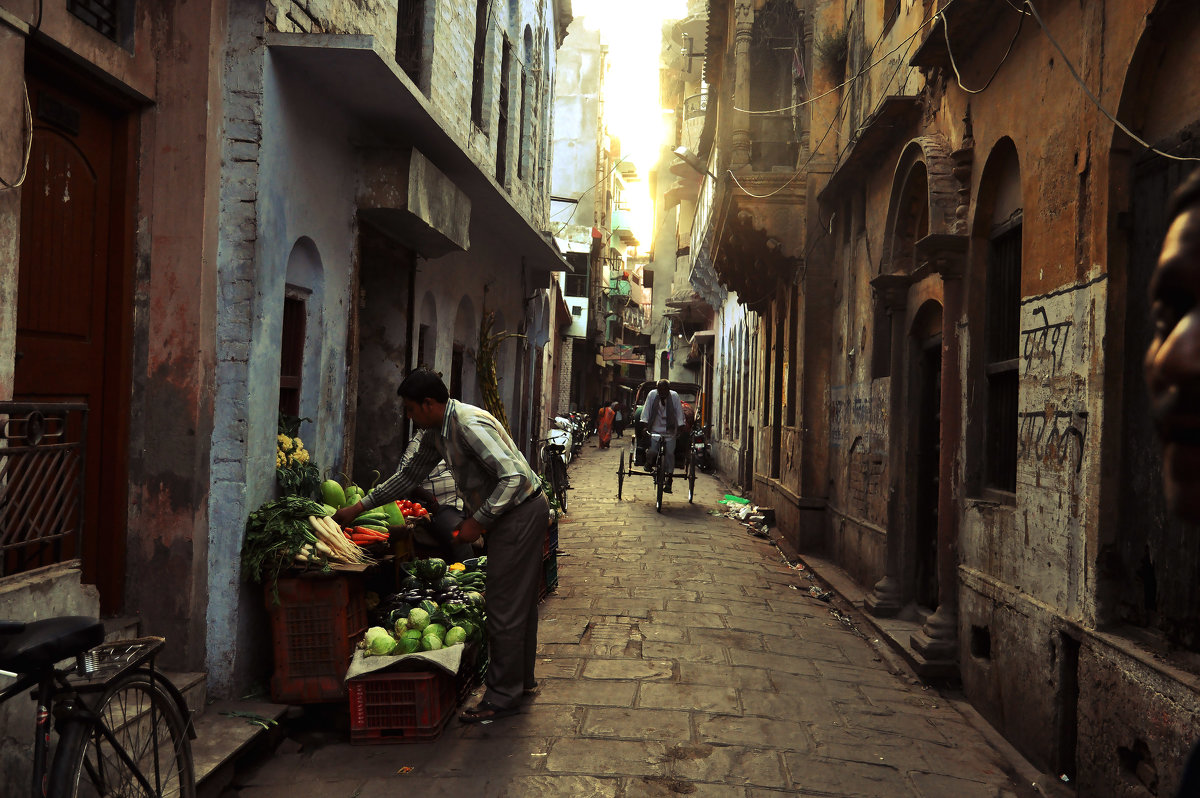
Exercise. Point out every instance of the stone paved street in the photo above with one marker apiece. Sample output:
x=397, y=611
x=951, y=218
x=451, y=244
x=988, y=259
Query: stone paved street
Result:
x=680, y=656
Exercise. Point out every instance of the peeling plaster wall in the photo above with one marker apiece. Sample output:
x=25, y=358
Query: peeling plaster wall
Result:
x=13, y=138
x=269, y=206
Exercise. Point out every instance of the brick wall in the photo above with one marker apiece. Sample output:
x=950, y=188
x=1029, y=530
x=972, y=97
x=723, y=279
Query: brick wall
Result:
x=566, y=359
x=447, y=75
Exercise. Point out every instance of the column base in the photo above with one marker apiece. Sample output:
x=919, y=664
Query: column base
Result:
x=884, y=599
x=936, y=645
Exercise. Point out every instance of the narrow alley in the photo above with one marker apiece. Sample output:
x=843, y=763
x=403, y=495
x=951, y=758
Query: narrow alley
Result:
x=679, y=656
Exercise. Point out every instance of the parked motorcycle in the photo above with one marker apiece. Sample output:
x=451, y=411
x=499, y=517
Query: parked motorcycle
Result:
x=701, y=447
x=560, y=433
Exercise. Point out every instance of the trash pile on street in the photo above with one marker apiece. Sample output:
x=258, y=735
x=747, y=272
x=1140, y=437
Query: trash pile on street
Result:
x=751, y=516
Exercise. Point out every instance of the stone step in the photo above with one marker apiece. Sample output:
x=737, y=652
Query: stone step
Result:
x=223, y=737
x=121, y=627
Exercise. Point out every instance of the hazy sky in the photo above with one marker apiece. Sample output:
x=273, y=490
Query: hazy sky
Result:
x=632, y=29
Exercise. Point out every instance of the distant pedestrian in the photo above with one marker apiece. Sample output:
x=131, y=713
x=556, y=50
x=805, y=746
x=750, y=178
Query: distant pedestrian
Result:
x=620, y=418
x=1172, y=365
x=605, y=424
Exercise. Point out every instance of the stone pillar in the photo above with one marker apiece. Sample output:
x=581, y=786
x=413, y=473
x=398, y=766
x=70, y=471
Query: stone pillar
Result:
x=887, y=598
x=740, y=135
x=937, y=641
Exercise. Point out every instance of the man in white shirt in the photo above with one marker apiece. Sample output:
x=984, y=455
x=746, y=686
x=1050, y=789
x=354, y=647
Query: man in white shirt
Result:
x=662, y=413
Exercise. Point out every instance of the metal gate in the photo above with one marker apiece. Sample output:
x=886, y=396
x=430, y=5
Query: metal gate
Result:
x=42, y=448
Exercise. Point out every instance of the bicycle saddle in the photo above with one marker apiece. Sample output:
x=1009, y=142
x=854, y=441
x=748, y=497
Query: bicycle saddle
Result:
x=43, y=643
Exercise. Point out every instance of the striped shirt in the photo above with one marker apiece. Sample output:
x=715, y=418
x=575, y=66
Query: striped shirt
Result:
x=489, y=470
x=440, y=481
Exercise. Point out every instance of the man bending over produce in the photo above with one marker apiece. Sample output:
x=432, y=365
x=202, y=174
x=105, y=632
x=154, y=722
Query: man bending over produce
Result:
x=503, y=498
x=440, y=496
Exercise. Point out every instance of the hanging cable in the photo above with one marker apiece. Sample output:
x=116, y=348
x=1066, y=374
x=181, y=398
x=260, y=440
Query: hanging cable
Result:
x=995, y=72
x=1095, y=100
x=4, y=184
x=834, y=122
x=858, y=74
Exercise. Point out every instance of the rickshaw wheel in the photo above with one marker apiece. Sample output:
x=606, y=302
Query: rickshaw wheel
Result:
x=621, y=475
x=660, y=479
x=691, y=475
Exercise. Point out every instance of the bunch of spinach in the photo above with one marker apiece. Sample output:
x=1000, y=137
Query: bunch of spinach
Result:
x=274, y=533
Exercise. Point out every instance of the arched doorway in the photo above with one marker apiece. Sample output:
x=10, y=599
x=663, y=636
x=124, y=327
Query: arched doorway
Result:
x=925, y=399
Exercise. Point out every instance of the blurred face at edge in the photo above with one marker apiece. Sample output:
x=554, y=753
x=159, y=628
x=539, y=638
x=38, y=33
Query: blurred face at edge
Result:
x=1172, y=363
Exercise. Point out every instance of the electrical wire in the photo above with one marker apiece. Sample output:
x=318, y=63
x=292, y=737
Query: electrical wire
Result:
x=1095, y=100
x=575, y=207
x=836, y=116
x=4, y=184
x=995, y=72
x=858, y=74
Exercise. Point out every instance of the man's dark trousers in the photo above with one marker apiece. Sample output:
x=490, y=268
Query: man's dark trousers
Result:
x=514, y=552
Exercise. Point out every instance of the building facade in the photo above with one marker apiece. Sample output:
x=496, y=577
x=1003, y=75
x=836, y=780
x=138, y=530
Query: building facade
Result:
x=944, y=264
x=269, y=208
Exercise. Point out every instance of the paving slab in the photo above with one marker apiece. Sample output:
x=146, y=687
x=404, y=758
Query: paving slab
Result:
x=679, y=656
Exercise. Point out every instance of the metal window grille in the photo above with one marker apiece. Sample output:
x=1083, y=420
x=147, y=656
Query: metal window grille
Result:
x=410, y=33
x=1003, y=320
x=481, y=26
x=521, y=147
x=291, y=361
x=502, y=115
x=101, y=15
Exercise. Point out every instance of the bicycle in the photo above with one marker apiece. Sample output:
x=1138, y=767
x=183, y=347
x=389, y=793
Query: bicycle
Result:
x=133, y=741
x=553, y=470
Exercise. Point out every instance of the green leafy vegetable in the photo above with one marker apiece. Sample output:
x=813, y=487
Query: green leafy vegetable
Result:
x=274, y=533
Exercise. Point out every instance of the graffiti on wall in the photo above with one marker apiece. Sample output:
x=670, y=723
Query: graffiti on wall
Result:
x=1045, y=343
x=1055, y=437
x=1060, y=332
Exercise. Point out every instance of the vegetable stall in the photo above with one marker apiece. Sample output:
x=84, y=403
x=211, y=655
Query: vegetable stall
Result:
x=355, y=619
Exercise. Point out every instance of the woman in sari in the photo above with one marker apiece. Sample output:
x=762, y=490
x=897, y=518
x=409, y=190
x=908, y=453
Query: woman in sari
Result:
x=604, y=425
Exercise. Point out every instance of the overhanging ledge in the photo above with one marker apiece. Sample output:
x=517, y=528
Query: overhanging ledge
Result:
x=387, y=109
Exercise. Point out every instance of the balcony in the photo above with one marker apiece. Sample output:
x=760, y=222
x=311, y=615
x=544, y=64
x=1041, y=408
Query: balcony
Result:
x=622, y=226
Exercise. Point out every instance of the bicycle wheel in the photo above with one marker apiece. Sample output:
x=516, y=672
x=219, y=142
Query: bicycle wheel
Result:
x=559, y=477
x=147, y=725
x=620, y=475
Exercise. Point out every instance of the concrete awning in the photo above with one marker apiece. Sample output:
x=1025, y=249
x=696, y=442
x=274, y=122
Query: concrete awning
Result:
x=388, y=110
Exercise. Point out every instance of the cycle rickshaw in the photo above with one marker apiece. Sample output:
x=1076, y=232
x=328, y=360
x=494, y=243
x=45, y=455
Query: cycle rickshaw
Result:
x=685, y=460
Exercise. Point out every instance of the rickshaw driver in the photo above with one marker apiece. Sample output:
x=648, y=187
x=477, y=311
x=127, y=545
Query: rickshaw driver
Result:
x=662, y=413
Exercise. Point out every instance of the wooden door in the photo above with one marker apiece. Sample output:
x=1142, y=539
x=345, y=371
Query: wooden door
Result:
x=71, y=301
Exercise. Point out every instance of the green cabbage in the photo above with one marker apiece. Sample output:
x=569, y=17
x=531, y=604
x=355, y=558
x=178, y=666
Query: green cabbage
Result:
x=418, y=618
x=455, y=635
x=435, y=629
x=408, y=645
x=400, y=627
x=378, y=642
x=430, y=643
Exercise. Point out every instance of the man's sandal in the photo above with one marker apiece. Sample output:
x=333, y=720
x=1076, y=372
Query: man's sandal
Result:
x=486, y=711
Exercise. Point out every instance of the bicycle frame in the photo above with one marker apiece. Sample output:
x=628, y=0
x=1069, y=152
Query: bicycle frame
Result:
x=58, y=698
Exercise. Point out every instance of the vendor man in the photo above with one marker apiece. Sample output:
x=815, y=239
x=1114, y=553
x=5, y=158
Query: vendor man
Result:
x=503, y=498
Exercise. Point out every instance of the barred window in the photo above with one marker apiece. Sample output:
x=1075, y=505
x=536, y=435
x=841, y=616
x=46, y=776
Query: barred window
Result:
x=477, y=70
x=410, y=33
x=1002, y=341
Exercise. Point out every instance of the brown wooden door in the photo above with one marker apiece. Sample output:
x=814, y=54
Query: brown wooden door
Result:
x=70, y=302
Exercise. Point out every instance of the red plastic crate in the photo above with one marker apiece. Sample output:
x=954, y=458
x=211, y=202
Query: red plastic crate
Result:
x=314, y=629
x=401, y=707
